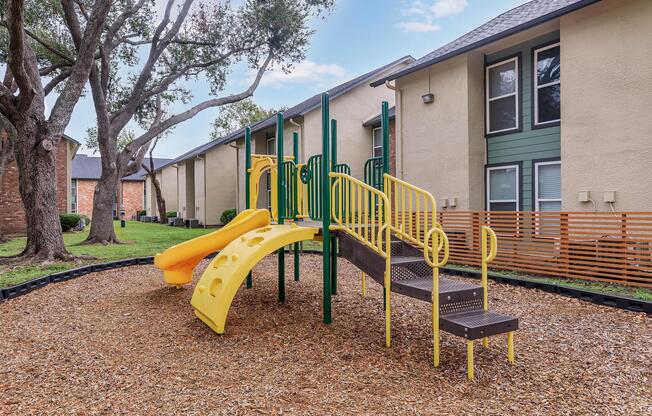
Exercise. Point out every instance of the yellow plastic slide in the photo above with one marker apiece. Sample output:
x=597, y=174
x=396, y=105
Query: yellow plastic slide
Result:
x=178, y=262
x=225, y=274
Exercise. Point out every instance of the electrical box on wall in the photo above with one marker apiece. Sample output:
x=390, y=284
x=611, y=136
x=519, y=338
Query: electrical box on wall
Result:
x=443, y=203
x=609, y=196
x=452, y=202
x=583, y=196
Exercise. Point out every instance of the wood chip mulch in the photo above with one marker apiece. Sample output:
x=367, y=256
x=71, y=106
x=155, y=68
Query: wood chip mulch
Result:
x=122, y=342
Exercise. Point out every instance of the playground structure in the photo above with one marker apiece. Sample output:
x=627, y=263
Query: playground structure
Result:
x=384, y=226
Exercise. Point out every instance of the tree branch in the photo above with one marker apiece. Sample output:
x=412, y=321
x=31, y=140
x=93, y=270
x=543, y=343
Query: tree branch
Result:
x=56, y=81
x=216, y=102
x=16, y=58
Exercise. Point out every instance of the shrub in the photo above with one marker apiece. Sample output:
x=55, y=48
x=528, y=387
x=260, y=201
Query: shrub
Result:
x=171, y=214
x=228, y=215
x=69, y=221
x=142, y=213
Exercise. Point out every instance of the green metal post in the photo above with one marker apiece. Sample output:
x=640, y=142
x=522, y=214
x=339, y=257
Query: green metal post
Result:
x=333, y=238
x=326, y=208
x=295, y=153
x=280, y=197
x=250, y=280
x=384, y=121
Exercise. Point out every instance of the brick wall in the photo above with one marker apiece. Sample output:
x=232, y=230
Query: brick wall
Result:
x=85, y=190
x=12, y=212
x=132, y=196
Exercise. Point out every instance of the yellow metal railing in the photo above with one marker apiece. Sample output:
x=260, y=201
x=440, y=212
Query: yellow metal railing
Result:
x=431, y=255
x=364, y=212
x=414, y=210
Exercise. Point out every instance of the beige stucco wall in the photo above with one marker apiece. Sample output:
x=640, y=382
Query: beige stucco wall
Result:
x=220, y=182
x=168, y=182
x=200, y=200
x=181, y=190
x=606, y=134
x=150, y=204
x=442, y=145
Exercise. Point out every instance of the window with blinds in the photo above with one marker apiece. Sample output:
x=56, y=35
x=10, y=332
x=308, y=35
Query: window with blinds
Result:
x=547, y=186
x=503, y=188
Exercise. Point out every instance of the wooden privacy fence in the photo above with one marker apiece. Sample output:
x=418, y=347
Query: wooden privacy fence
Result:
x=601, y=246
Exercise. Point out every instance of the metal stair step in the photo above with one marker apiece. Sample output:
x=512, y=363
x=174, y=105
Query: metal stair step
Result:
x=474, y=324
x=450, y=291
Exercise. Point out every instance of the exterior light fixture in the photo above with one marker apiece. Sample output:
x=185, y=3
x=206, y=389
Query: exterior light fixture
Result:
x=428, y=98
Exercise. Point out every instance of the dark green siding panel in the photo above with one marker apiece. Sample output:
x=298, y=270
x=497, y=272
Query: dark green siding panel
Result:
x=527, y=145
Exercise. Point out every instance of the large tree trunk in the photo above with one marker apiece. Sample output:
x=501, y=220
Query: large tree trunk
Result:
x=102, y=230
x=35, y=152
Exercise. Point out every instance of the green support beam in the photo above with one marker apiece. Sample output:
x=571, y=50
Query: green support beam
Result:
x=326, y=209
x=333, y=238
x=250, y=280
x=280, y=209
x=295, y=211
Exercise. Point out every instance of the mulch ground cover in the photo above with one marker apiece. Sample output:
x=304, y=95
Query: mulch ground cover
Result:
x=122, y=342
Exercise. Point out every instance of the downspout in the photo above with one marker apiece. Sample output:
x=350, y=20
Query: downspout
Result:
x=237, y=174
x=398, y=127
x=300, y=127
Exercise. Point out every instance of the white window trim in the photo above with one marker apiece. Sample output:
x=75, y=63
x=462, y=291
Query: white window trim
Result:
x=518, y=186
x=537, y=200
x=73, y=198
x=373, y=147
x=537, y=87
x=515, y=94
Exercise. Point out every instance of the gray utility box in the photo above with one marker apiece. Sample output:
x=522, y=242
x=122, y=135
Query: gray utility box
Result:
x=145, y=218
x=178, y=222
x=192, y=223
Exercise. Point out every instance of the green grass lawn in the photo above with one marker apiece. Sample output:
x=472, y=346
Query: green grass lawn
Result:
x=142, y=239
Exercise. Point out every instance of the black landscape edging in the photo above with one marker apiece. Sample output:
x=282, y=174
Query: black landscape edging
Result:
x=606, y=299
x=39, y=282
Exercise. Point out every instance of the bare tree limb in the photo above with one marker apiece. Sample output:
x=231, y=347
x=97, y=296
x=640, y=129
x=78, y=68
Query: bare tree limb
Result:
x=56, y=81
x=16, y=60
x=216, y=102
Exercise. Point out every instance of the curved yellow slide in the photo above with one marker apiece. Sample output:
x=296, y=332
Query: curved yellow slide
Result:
x=225, y=274
x=178, y=262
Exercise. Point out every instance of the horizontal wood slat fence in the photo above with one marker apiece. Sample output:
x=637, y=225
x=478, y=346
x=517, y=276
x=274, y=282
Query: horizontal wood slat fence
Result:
x=601, y=246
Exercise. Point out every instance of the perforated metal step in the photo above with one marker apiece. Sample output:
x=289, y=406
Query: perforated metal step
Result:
x=477, y=324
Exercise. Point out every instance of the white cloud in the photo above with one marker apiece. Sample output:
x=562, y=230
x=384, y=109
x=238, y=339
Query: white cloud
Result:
x=422, y=14
x=304, y=72
x=416, y=27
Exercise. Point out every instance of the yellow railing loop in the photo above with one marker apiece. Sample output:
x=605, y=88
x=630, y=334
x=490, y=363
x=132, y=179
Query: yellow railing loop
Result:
x=431, y=255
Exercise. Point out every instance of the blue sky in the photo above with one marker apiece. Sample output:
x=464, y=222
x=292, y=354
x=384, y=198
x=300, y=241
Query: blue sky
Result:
x=357, y=37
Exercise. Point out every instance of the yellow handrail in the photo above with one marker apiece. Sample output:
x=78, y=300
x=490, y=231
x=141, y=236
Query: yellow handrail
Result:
x=364, y=212
x=409, y=202
x=259, y=164
x=486, y=259
x=431, y=256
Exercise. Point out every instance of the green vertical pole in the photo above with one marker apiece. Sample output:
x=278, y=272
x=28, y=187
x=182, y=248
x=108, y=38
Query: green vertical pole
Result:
x=250, y=280
x=333, y=238
x=384, y=123
x=326, y=208
x=280, y=205
x=295, y=153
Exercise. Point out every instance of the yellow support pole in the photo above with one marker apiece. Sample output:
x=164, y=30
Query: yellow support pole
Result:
x=510, y=347
x=364, y=286
x=432, y=258
x=486, y=259
x=469, y=359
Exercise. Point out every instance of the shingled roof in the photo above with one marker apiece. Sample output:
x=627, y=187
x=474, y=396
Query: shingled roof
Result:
x=90, y=167
x=516, y=20
x=296, y=111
